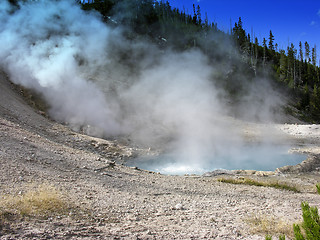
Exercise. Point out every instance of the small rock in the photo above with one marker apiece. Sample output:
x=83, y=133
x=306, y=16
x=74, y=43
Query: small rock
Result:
x=179, y=206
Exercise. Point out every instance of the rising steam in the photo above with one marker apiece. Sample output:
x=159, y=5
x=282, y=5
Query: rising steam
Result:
x=91, y=75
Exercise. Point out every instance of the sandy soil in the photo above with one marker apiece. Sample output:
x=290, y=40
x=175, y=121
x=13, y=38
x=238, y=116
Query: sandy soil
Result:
x=119, y=202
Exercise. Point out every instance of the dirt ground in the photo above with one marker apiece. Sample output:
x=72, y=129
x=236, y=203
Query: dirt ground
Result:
x=118, y=202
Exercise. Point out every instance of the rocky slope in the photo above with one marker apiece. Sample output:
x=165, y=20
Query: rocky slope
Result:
x=112, y=201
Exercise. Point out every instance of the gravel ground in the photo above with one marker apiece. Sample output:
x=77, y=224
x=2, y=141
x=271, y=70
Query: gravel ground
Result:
x=119, y=202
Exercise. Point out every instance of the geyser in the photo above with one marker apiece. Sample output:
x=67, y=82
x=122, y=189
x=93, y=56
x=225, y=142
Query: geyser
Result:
x=258, y=157
x=92, y=74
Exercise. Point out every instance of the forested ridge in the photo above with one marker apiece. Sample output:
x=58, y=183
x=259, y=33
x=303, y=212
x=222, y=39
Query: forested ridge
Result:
x=294, y=70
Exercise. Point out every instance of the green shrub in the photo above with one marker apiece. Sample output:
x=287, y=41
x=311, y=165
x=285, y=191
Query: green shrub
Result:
x=310, y=224
x=282, y=237
x=268, y=237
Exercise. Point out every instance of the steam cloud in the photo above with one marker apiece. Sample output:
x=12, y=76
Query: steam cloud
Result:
x=89, y=75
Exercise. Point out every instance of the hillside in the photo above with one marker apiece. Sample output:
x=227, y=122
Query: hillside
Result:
x=106, y=200
x=241, y=58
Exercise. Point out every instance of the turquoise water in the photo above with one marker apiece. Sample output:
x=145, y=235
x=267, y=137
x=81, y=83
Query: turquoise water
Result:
x=258, y=158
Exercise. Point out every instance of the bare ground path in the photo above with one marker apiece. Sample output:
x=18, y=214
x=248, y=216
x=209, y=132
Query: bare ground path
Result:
x=118, y=202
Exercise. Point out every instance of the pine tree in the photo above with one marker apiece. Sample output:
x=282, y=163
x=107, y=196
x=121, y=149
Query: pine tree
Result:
x=264, y=45
x=199, y=20
x=314, y=56
x=240, y=36
x=305, y=98
x=307, y=51
x=300, y=52
x=256, y=47
x=271, y=41
x=206, y=21
x=300, y=57
x=315, y=101
x=283, y=66
x=292, y=65
x=195, y=17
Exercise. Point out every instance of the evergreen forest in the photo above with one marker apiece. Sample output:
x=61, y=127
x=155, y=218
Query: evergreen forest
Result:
x=294, y=71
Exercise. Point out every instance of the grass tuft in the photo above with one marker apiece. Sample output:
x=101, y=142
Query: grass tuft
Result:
x=252, y=182
x=260, y=224
x=43, y=201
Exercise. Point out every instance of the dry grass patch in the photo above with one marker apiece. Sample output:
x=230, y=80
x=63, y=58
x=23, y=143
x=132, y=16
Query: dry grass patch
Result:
x=268, y=225
x=252, y=182
x=41, y=201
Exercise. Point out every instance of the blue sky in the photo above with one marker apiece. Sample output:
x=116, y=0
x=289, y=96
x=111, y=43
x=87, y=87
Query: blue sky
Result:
x=290, y=21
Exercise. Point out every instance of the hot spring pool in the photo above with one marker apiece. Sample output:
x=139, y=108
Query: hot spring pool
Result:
x=258, y=158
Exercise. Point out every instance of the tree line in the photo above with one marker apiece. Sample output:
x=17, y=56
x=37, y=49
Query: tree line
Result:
x=295, y=70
